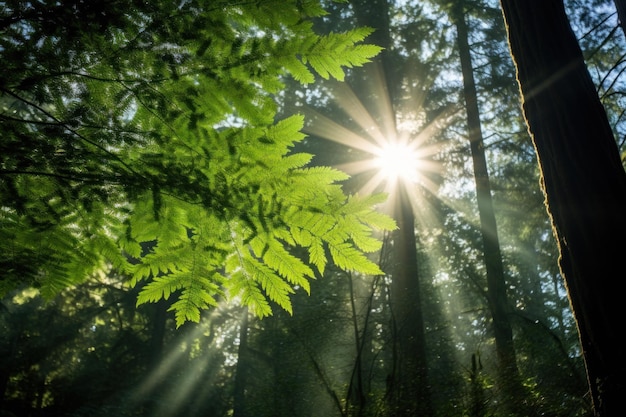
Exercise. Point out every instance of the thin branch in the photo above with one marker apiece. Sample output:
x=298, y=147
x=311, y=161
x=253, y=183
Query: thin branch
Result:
x=83, y=138
x=593, y=29
x=604, y=41
x=84, y=179
x=606, y=76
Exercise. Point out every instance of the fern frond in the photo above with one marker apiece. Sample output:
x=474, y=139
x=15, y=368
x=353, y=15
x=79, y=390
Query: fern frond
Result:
x=298, y=70
x=129, y=246
x=184, y=310
x=170, y=181
x=286, y=132
x=297, y=160
x=55, y=279
x=316, y=223
x=288, y=266
x=346, y=257
x=361, y=235
x=273, y=285
x=160, y=287
x=312, y=8
x=344, y=53
x=317, y=255
x=189, y=305
x=357, y=203
x=250, y=294
x=139, y=272
x=321, y=175
x=199, y=294
x=377, y=220
x=301, y=237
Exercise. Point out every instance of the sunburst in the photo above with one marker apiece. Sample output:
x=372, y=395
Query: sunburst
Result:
x=398, y=161
x=397, y=152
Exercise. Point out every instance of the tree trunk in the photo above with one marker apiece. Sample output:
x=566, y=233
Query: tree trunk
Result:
x=157, y=334
x=408, y=386
x=241, y=374
x=509, y=380
x=356, y=396
x=620, y=6
x=410, y=392
x=583, y=181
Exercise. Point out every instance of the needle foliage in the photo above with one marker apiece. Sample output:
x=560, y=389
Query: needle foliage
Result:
x=143, y=136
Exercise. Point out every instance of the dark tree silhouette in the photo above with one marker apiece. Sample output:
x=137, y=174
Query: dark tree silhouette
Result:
x=583, y=181
x=620, y=6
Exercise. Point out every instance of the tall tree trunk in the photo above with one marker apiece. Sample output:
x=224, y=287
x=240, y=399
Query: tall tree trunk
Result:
x=356, y=398
x=583, y=181
x=409, y=387
x=620, y=6
x=157, y=334
x=477, y=404
x=509, y=380
x=158, y=324
x=241, y=374
x=410, y=393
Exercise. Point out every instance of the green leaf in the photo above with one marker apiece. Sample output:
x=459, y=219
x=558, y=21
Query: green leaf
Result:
x=348, y=258
x=272, y=284
x=167, y=161
x=344, y=53
x=317, y=255
x=288, y=266
x=159, y=288
x=250, y=294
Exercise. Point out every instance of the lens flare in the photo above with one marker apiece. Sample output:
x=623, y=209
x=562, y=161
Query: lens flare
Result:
x=398, y=161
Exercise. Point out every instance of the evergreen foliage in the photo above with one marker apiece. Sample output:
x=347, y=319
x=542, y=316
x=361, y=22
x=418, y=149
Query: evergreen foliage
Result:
x=144, y=137
x=93, y=352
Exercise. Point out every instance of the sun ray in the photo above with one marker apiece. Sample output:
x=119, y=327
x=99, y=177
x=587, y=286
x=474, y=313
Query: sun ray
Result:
x=186, y=360
x=326, y=128
x=405, y=155
x=382, y=104
x=350, y=104
x=394, y=144
x=375, y=182
x=355, y=167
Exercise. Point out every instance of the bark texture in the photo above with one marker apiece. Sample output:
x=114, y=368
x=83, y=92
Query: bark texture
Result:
x=583, y=181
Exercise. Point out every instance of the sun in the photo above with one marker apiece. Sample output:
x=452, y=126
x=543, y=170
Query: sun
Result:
x=397, y=161
x=394, y=151
x=387, y=160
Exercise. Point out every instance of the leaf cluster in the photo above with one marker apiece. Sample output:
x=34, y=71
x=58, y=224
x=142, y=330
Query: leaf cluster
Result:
x=142, y=136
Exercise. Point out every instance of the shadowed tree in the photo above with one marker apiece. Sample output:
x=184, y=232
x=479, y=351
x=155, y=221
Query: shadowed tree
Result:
x=620, y=5
x=583, y=181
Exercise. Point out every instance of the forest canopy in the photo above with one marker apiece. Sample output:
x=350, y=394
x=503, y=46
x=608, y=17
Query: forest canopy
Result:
x=176, y=176
x=146, y=139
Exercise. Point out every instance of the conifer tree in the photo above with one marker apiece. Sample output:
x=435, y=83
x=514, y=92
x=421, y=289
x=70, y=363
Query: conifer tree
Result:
x=511, y=388
x=408, y=386
x=583, y=181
